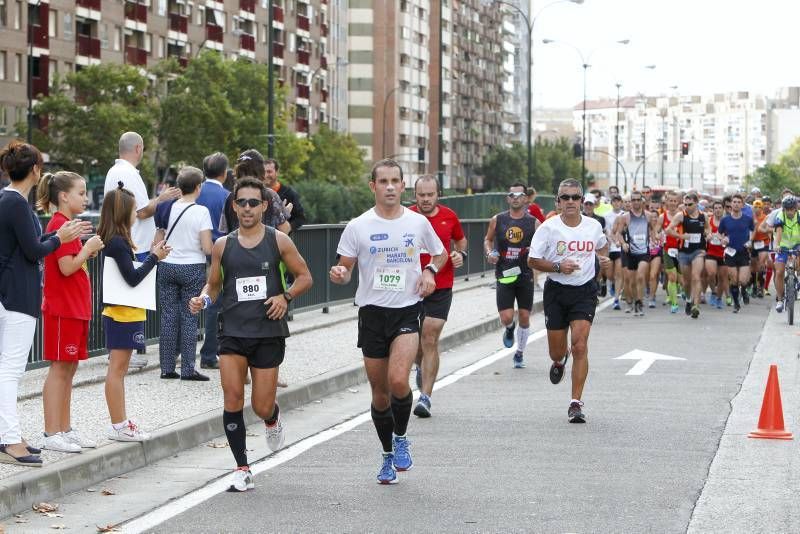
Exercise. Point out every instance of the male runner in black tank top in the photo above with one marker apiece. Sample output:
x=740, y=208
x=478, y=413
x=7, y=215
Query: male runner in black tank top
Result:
x=506, y=245
x=252, y=322
x=694, y=229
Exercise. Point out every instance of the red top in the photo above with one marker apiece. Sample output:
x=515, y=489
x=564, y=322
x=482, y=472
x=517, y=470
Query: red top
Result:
x=536, y=211
x=671, y=242
x=717, y=251
x=447, y=226
x=66, y=296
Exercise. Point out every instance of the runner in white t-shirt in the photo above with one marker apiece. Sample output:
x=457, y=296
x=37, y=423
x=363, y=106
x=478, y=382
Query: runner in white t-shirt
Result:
x=614, y=250
x=570, y=248
x=386, y=242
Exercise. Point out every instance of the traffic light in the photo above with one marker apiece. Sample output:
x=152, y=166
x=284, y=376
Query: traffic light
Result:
x=685, y=148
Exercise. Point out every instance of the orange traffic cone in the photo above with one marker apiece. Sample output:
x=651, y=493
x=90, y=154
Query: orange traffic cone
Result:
x=770, y=422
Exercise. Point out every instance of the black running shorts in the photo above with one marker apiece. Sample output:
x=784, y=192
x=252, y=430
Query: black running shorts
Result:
x=564, y=304
x=378, y=326
x=261, y=352
x=635, y=259
x=720, y=261
x=614, y=256
x=437, y=304
x=520, y=290
x=740, y=259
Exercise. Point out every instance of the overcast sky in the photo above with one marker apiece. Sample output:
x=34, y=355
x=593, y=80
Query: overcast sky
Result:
x=702, y=46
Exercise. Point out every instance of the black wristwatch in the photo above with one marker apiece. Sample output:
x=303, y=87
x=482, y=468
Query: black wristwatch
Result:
x=432, y=268
x=463, y=254
x=288, y=296
x=556, y=267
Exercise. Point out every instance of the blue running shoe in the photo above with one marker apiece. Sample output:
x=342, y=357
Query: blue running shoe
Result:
x=423, y=407
x=519, y=363
x=418, y=378
x=387, y=474
x=616, y=304
x=508, y=336
x=402, y=453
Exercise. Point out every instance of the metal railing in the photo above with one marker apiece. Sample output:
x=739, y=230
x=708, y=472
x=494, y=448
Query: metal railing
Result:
x=316, y=243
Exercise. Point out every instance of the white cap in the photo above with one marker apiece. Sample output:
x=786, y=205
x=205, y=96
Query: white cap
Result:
x=588, y=197
x=755, y=190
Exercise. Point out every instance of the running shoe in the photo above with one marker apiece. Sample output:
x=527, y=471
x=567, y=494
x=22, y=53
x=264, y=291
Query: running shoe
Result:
x=81, y=441
x=575, y=414
x=402, y=453
x=688, y=308
x=674, y=308
x=736, y=307
x=695, y=312
x=779, y=306
x=519, y=363
x=760, y=293
x=418, y=377
x=57, y=442
x=702, y=298
x=616, y=304
x=628, y=307
x=613, y=290
x=242, y=480
x=275, y=435
x=745, y=297
x=423, y=407
x=557, y=369
x=728, y=300
x=137, y=361
x=508, y=336
x=767, y=293
x=719, y=303
x=603, y=290
x=387, y=474
x=129, y=432
x=652, y=303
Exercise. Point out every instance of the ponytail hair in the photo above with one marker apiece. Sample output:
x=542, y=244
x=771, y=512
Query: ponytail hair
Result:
x=50, y=185
x=115, y=216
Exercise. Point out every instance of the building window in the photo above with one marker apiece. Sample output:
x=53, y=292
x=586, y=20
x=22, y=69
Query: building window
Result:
x=117, y=37
x=160, y=47
x=103, y=36
x=3, y=18
x=3, y=120
x=18, y=67
x=67, y=26
x=52, y=26
x=18, y=17
x=2, y=65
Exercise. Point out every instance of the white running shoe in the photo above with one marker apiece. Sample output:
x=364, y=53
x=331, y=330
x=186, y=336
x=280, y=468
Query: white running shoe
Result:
x=137, y=361
x=129, y=432
x=242, y=480
x=57, y=442
x=275, y=435
x=81, y=441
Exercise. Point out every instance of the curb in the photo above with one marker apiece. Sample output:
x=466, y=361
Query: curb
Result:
x=73, y=474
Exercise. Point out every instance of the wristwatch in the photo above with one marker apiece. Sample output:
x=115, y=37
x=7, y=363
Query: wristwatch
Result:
x=556, y=267
x=432, y=268
x=288, y=296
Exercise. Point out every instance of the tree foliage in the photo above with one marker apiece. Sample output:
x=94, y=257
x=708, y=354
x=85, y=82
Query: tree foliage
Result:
x=326, y=202
x=553, y=162
x=335, y=158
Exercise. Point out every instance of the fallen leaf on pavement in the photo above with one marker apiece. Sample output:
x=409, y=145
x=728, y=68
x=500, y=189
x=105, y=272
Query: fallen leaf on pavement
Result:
x=51, y=514
x=107, y=492
x=216, y=445
x=44, y=507
x=108, y=528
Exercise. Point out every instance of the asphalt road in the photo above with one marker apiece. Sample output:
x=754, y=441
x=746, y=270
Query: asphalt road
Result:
x=499, y=455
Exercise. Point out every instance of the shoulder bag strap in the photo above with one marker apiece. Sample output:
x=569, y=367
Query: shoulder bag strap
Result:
x=177, y=221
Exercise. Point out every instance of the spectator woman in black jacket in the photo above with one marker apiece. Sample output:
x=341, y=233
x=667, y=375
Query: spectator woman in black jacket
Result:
x=22, y=248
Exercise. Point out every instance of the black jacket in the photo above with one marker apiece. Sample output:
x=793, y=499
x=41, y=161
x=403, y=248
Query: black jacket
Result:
x=298, y=216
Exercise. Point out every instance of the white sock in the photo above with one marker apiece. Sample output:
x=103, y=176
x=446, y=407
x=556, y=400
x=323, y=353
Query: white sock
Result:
x=522, y=338
x=120, y=426
x=576, y=400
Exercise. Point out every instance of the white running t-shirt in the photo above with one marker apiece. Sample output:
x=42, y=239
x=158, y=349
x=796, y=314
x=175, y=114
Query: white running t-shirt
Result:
x=555, y=241
x=387, y=251
x=611, y=218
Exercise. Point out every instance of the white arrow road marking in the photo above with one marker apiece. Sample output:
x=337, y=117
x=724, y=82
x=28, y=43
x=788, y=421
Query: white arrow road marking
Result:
x=646, y=359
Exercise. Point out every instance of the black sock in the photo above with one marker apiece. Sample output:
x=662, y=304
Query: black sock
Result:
x=236, y=433
x=384, y=424
x=274, y=417
x=401, y=410
x=735, y=294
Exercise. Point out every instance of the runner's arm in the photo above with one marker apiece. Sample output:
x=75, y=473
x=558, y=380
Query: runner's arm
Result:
x=343, y=270
x=673, y=225
x=214, y=282
x=488, y=241
x=619, y=225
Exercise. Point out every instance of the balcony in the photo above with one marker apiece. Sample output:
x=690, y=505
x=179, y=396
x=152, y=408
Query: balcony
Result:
x=324, y=29
x=178, y=23
x=39, y=36
x=303, y=57
x=277, y=14
x=135, y=56
x=214, y=33
x=301, y=125
x=136, y=11
x=88, y=4
x=277, y=49
x=248, y=5
x=303, y=23
x=303, y=91
x=85, y=45
x=247, y=42
x=323, y=63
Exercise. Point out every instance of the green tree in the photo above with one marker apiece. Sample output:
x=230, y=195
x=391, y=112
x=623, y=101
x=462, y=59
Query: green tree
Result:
x=503, y=166
x=771, y=178
x=82, y=132
x=327, y=203
x=335, y=158
x=554, y=162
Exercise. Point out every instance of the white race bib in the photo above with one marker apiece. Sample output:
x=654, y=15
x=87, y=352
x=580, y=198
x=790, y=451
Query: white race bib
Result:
x=640, y=239
x=252, y=288
x=715, y=240
x=693, y=238
x=389, y=279
x=672, y=252
x=730, y=251
x=514, y=271
x=758, y=245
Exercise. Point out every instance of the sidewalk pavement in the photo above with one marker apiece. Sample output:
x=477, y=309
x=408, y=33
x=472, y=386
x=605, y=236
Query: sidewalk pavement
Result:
x=321, y=358
x=753, y=484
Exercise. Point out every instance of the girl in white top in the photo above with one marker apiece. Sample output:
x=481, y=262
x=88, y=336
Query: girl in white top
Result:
x=186, y=227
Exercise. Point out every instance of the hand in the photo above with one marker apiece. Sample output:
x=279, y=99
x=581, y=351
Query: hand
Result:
x=196, y=304
x=569, y=266
x=457, y=259
x=161, y=250
x=605, y=261
x=339, y=274
x=93, y=245
x=73, y=230
x=276, y=307
x=170, y=193
x=493, y=257
x=287, y=207
x=426, y=283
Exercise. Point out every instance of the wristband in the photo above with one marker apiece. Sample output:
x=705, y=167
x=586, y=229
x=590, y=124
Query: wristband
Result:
x=206, y=301
x=463, y=254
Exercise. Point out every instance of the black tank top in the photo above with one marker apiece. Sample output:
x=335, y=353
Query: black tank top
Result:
x=693, y=226
x=251, y=276
x=512, y=240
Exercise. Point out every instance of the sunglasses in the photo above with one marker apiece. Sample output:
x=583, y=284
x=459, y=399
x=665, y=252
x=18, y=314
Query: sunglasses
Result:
x=516, y=195
x=636, y=199
x=688, y=204
x=570, y=197
x=252, y=202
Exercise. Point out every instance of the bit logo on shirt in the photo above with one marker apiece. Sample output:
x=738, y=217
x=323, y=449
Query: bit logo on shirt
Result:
x=514, y=234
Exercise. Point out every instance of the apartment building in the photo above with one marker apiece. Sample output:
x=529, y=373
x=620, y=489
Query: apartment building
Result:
x=67, y=35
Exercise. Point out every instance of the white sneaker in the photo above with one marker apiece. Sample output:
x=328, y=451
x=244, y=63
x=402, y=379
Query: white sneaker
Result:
x=73, y=437
x=242, y=480
x=275, y=435
x=138, y=361
x=57, y=442
x=129, y=432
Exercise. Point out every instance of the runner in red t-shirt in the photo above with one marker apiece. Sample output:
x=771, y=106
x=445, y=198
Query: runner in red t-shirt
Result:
x=436, y=306
x=533, y=207
x=66, y=309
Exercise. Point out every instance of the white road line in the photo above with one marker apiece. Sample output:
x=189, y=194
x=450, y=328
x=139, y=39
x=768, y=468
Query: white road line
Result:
x=197, y=497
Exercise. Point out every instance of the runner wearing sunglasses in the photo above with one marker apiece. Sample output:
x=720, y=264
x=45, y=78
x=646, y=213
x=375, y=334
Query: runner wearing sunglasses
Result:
x=506, y=245
x=694, y=228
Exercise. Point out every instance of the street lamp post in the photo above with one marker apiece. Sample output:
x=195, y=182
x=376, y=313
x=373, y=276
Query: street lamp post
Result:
x=529, y=23
x=30, y=70
x=270, y=83
x=585, y=64
x=616, y=143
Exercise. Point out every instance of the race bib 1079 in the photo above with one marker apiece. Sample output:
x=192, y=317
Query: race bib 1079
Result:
x=389, y=279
